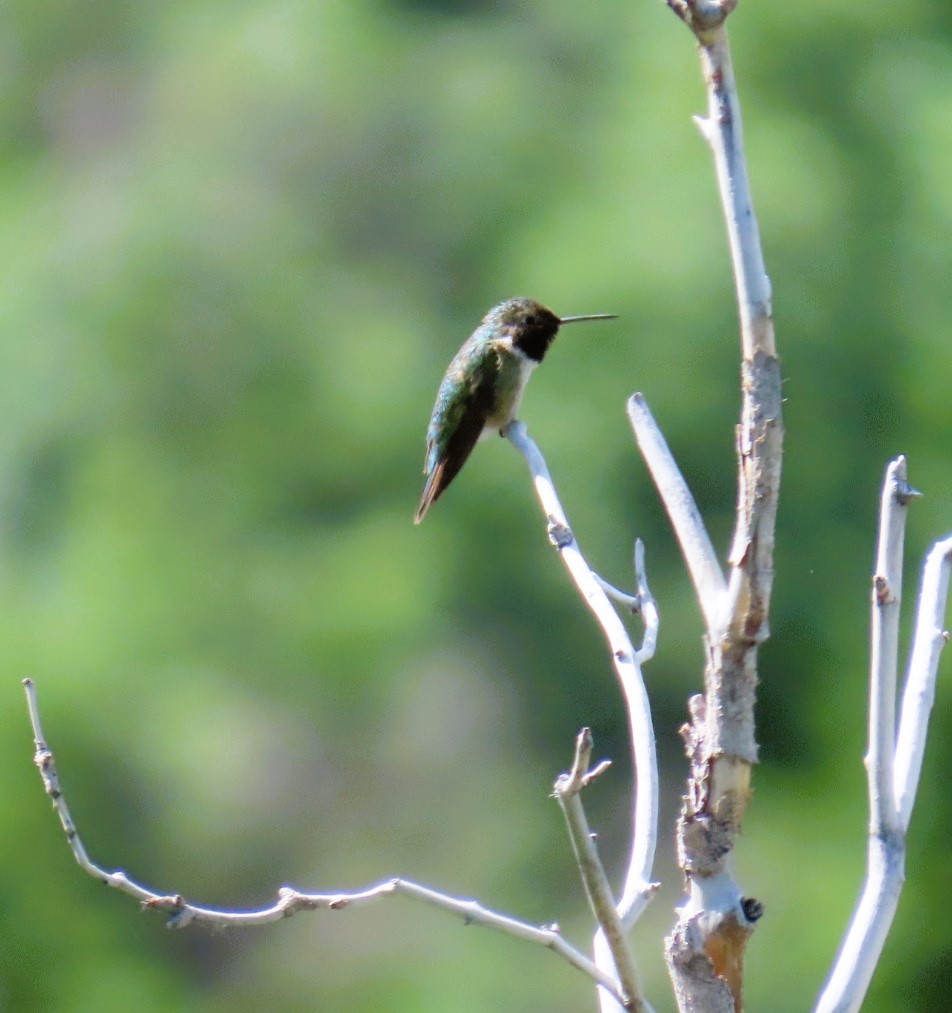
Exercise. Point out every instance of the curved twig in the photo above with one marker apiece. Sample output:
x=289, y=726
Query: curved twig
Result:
x=638, y=887
x=181, y=913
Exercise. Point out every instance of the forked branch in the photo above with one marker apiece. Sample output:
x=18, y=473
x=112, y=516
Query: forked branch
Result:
x=638, y=887
x=706, y=950
x=568, y=791
x=893, y=761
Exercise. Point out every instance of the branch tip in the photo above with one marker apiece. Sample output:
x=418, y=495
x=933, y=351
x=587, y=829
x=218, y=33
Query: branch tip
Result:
x=592, y=775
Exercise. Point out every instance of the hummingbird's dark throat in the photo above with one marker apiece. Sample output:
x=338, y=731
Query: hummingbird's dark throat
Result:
x=535, y=335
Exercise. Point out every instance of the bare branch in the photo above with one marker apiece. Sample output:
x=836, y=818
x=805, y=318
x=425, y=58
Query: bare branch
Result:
x=685, y=517
x=629, y=601
x=760, y=435
x=919, y=695
x=893, y=774
x=885, y=847
x=637, y=887
x=568, y=789
x=290, y=900
x=715, y=924
x=886, y=600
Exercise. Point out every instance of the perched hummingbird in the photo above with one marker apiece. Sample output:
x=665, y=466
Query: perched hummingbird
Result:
x=483, y=385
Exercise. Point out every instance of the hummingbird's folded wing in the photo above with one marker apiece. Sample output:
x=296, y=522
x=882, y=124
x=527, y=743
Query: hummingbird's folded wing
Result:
x=458, y=419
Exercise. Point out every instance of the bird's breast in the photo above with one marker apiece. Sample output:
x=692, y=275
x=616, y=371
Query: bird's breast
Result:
x=515, y=368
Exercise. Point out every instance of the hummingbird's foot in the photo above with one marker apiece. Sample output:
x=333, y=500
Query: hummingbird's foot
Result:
x=560, y=535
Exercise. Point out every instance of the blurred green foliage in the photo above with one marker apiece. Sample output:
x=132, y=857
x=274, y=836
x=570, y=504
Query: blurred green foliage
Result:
x=238, y=244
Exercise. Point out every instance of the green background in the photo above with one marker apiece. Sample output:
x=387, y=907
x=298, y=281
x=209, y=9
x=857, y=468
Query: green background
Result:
x=239, y=243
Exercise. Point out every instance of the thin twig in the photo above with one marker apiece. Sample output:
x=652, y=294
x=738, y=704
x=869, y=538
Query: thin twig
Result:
x=919, y=695
x=640, y=604
x=568, y=789
x=290, y=901
x=884, y=656
x=630, y=601
x=648, y=608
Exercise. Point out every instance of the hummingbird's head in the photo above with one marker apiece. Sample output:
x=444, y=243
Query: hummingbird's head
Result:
x=528, y=323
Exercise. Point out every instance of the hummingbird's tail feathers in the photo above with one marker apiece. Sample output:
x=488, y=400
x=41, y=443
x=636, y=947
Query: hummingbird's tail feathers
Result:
x=431, y=491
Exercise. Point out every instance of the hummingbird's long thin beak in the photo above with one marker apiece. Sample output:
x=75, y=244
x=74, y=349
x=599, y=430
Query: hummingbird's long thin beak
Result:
x=589, y=316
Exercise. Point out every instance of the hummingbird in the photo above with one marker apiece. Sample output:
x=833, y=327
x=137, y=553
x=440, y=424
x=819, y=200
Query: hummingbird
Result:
x=483, y=385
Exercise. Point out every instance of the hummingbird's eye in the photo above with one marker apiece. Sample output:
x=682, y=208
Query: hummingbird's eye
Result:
x=530, y=319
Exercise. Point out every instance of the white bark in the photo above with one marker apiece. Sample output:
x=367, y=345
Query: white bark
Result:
x=894, y=761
